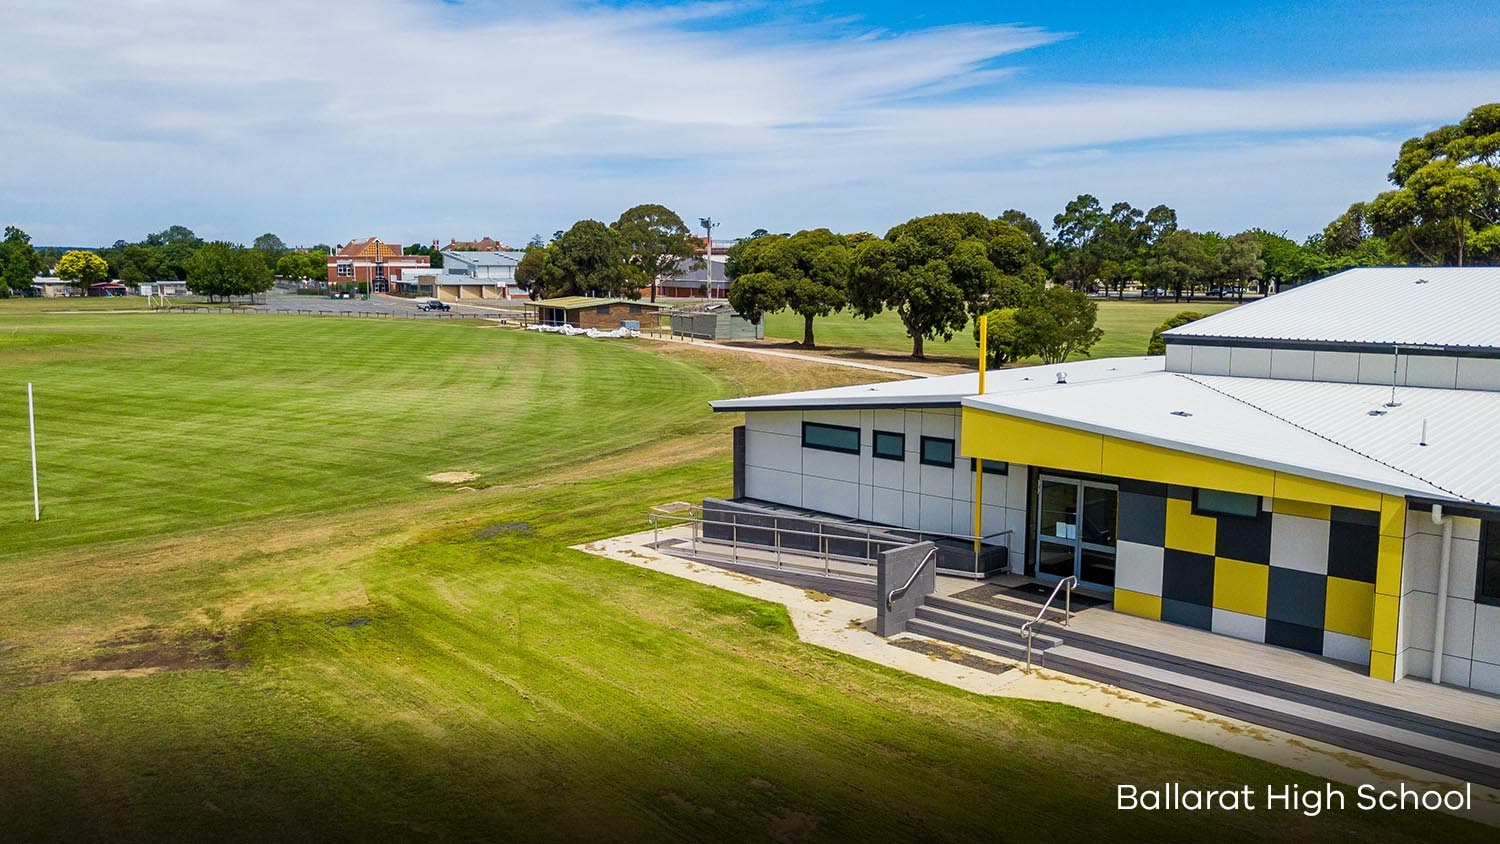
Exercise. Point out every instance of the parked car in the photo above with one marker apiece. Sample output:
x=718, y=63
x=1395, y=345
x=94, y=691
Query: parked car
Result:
x=430, y=304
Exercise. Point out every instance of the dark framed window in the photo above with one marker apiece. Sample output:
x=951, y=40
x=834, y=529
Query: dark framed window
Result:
x=635, y=309
x=889, y=445
x=992, y=467
x=1215, y=502
x=830, y=437
x=602, y=309
x=1487, y=590
x=937, y=451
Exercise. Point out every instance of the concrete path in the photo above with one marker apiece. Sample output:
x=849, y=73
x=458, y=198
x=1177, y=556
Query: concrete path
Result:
x=832, y=361
x=846, y=627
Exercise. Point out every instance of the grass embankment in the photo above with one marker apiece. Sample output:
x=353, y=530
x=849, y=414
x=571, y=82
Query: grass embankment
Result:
x=437, y=665
x=1127, y=328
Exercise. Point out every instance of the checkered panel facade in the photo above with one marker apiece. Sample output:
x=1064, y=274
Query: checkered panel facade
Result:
x=1296, y=574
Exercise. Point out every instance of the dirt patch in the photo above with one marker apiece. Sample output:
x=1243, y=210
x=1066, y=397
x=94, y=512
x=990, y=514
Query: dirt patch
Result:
x=948, y=653
x=452, y=477
x=815, y=595
x=502, y=529
x=148, y=652
x=791, y=825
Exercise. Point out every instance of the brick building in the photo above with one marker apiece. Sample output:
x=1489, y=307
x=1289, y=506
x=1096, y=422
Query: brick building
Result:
x=589, y=312
x=371, y=260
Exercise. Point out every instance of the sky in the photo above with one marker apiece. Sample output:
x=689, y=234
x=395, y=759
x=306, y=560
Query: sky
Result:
x=420, y=120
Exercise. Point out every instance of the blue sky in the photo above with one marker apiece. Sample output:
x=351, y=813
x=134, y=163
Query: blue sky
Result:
x=421, y=120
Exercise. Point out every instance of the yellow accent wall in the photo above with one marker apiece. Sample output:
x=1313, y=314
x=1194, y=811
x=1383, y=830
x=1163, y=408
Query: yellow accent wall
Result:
x=1349, y=607
x=1386, y=601
x=1187, y=532
x=1241, y=587
x=1138, y=603
x=1306, y=509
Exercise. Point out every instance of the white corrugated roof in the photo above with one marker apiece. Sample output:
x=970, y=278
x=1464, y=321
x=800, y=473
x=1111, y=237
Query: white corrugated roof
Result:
x=1454, y=307
x=1311, y=429
x=946, y=389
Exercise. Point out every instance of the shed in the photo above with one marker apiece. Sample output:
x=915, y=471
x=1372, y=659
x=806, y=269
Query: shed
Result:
x=715, y=322
x=591, y=312
x=108, y=288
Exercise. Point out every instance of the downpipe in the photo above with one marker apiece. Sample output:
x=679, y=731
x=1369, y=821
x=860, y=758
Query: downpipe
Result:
x=1440, y=617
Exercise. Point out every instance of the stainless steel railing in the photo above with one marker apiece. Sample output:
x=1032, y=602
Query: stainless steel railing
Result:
x=1028, y=630
x=824, y=538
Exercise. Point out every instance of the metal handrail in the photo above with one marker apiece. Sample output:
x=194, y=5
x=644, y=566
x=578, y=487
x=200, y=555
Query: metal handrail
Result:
x=868, y=535
x=1028, y=630
x=890, y=599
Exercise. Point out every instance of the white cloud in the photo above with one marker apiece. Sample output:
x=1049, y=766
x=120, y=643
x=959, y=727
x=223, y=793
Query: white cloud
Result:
x=417, y=120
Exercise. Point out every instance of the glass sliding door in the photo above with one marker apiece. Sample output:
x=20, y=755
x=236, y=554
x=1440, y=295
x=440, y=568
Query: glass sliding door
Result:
x=1076, y=530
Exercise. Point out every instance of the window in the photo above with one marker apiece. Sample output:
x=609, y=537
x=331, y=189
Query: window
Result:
x=602, y=309
x=890, y=445
x=992, y=467
x=1213, y=502
x=830, y=437
x=1487, y=590
x=937, y=451
x=635, y=309
x=346, y=269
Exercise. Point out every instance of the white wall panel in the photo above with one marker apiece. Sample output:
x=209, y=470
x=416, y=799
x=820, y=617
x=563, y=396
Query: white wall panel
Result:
x=830, y=496
x=1336, y=366
x=1211, y=360
x=1292, y=364
x=773, y=485
x=773, y=451
x=1250, y=363
x=1478, y=374
x=1432, y=371
x=775, y=422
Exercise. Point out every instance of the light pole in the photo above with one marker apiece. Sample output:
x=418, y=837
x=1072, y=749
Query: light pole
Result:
x=708, y=225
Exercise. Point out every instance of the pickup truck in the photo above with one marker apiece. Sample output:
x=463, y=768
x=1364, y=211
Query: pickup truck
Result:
x=432, y=305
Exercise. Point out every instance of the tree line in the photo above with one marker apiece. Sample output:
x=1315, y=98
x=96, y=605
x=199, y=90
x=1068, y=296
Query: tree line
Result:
x=646, y=245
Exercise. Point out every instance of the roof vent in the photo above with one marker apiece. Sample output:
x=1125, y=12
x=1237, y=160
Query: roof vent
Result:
x=1181, y=413
x=1062, y=377
x=1420, y=281
x=1377, y=413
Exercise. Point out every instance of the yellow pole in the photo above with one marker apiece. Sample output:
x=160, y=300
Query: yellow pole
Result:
x=984, y=338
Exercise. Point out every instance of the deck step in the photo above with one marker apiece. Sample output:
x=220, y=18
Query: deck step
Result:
x=1007, y=647
x=1005, y=632
x=994, y=615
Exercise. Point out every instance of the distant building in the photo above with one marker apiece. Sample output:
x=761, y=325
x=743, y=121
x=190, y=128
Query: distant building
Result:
x=706, y=281
x=479, y=275
x=162, y=287
x=484, y=244
x=49, y=287
x=717, y=321
x=591, y=312
x=371, y=260
x=108, y=288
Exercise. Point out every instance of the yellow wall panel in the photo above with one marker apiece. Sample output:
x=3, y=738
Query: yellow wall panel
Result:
x=1323, y=492
x=1383, y=625
x=1307, y=509
x=1138, y=603
x=1241, y=587
x=994, y=436
x=1189, y=532
x=1392, y=515
x=1388, y=565
x=1349, y=607
x=1383, y=666
x=1144, y=462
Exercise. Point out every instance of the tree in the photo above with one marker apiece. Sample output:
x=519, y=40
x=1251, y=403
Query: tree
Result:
x=176, y=245
x=1108, y=246
x=1286, y=262
x=1059, y=324
x=937, y=271
x=807, y=273
x=224, y=270
x=536, y=240
x=19, y=262
x=1157, y=345
x=1179, y=260
x=82, y=268
x=291, y=265
x=139, y=264
x=758, y=233
x=1000, y=328
x=1238, y=261
x=1446, y=199
x=270, y=247
x=589, y=260
x=657, y=242
x=530, y=270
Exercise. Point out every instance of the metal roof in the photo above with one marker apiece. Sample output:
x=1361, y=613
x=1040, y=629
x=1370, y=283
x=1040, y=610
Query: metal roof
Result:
x=1446, y=307
x=1310, y=429
x=946, y=390
x=486, y=259
x=571, y=303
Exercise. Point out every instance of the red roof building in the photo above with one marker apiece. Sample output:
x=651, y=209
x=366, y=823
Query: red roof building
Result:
x=371, y=260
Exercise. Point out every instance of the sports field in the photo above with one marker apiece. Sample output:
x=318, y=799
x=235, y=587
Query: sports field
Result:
x=247, y=615
x=1127, y=328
